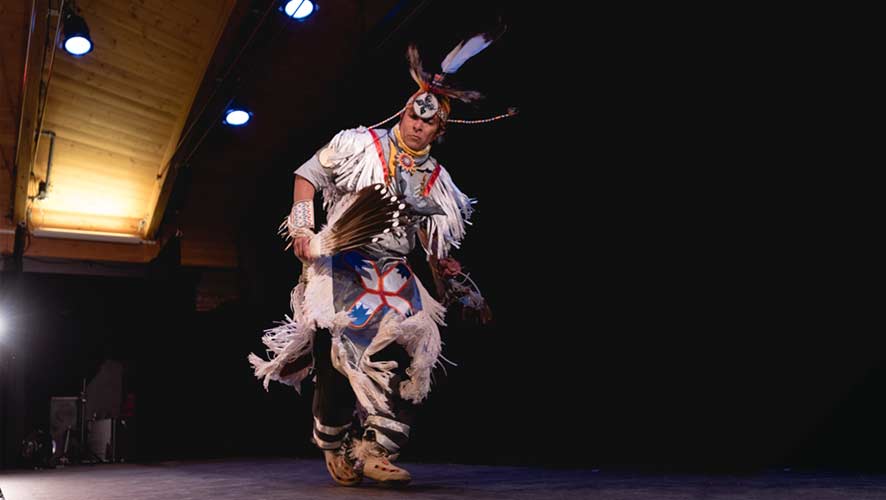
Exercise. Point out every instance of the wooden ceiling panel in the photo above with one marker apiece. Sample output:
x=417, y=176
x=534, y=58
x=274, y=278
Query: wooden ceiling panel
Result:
x=8, y=126
x=7, y=148
x=77, y=196
x=78, y=108
x=73, y=114
x=111, y=37
x=144, y=69
x=97, y=137
x=187, y=17
x=157, y=29
x=101, y=159
x=103, y=74
x=88, y=95
x=167, y=99
x=72, y=190
x=80, y=178
x=14, y=19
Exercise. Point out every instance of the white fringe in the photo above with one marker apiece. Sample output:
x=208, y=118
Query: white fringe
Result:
x=446, y=231
x=318, y=303
x=312, y=306
x=370, y=395
x=382, y=371
x=286, y=343
x=420, y=336
x=363, y=449
x=356, y=165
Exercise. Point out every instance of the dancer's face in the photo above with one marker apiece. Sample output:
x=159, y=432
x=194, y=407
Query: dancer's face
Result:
x=418, y=132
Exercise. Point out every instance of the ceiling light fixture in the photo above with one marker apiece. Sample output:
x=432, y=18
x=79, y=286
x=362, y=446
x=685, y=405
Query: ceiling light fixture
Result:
x=77, y=41
x=236, y=117
x=299, y=9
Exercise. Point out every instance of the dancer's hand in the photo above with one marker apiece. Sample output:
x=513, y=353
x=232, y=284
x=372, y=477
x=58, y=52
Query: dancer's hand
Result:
x=479, y=311
x=301, y=247
x=449, y=267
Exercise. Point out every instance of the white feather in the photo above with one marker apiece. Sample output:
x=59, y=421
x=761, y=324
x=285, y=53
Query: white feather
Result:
x=464, y=51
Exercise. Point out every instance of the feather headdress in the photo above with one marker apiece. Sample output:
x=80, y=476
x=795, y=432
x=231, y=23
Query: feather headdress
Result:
x=436, y=90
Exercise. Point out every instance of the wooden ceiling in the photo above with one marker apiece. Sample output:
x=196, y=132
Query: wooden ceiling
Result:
x=111, y=119
x=117, y=113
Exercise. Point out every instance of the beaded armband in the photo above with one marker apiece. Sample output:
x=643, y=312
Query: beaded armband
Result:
x=301, y=219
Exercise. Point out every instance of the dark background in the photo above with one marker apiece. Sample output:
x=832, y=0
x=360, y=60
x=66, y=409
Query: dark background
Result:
x=659, y=299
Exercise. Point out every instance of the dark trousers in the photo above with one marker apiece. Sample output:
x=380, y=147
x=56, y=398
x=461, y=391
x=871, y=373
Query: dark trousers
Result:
x=335, y=406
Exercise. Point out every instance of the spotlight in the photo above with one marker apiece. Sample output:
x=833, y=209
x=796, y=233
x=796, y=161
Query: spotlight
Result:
x=236, y=117
x=299, y=9
x=77, y=41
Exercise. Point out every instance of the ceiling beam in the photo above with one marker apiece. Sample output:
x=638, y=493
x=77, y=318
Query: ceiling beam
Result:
x=26, y=146
x=90, y=250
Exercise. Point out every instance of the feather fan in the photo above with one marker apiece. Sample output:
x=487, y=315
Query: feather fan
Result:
x=375, y=211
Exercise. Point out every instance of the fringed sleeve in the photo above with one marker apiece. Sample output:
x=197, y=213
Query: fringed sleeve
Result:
x=447, y=231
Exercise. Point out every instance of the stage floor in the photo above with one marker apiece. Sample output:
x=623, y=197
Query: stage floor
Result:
x=304, y=479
